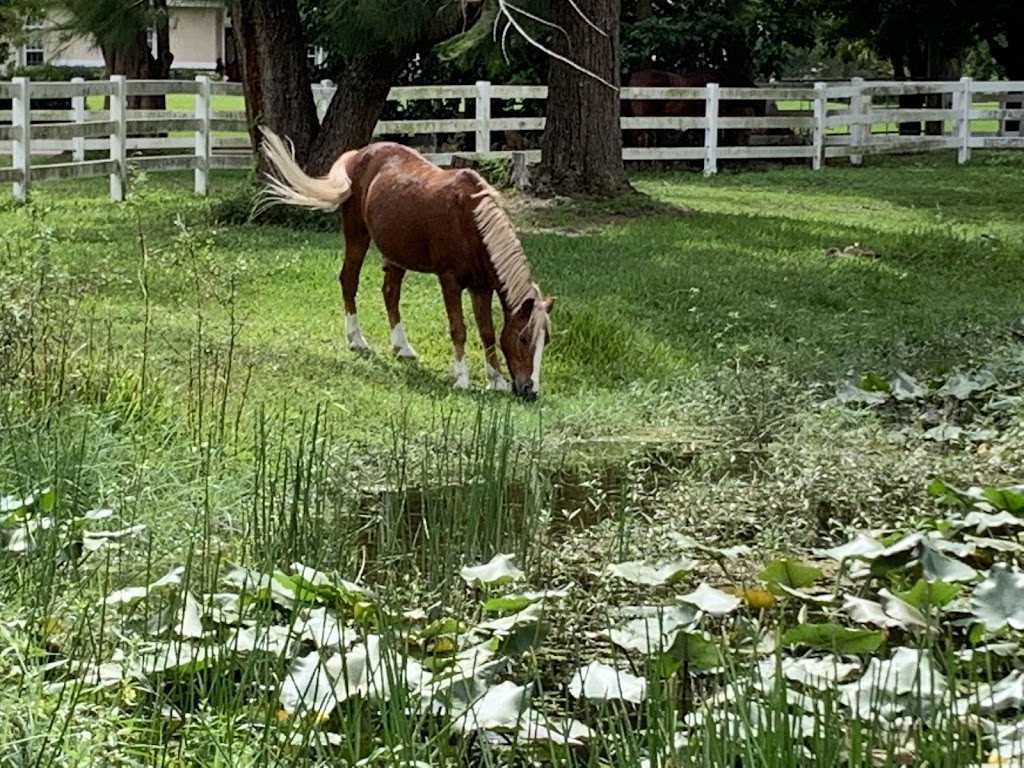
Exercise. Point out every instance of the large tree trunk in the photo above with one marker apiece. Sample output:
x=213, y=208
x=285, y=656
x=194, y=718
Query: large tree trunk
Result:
x=272, y=52
x=582, y=144
x=354, y=110
x=136, y=61
x=1011, y=58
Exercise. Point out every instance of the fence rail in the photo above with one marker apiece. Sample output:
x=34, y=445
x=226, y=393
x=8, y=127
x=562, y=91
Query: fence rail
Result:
x=99, y=135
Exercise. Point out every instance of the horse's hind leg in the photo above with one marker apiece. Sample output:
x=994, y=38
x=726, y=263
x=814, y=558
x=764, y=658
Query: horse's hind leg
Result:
x=453, y=306
x=485, y=324
x=392, y=295
x=357, y=240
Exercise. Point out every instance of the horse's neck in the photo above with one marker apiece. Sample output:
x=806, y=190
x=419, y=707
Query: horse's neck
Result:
x=512, y=300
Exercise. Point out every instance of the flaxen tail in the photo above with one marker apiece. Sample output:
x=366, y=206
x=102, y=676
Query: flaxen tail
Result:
x=292, y=186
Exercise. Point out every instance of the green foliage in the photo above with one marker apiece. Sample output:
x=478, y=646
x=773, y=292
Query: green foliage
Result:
x=13, y=15
x=748, y=37
x=351, y=27
x=789, y=573
x=834, y=638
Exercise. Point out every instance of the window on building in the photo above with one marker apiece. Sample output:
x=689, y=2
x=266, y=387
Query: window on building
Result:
x=315, y=56
x=32, y=51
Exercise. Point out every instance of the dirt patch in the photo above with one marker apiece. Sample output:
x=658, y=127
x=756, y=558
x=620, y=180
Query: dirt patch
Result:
x=578, y=216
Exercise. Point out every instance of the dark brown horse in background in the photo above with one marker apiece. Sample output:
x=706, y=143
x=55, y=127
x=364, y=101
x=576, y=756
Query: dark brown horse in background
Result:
x=426, y=219
x=660, y=78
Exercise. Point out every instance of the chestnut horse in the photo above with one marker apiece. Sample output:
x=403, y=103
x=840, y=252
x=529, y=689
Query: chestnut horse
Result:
x=660, y=78
x=425, y=219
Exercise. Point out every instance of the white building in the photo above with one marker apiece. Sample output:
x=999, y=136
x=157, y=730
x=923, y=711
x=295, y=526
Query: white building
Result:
x=200, y=35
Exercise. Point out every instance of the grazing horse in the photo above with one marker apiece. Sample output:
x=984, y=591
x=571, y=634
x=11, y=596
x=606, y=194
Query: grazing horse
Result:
x=425, y=219
x=659, y=78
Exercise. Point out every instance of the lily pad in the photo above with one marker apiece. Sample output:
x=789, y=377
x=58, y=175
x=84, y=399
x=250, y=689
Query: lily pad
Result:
x=308, y=687
x=903, y=386
x=791, y=573
x=498, y=570
x=600, y=682
x=697, y=649
x=500, y=708
x=963, y=386
x=712, y=601
x=517, y=602
x=999, y=600
x=653, y=574
x=850, y=394
x=937, y=566
x=906, y=683
x=861, y=546
x=834, y=637
x=651, y=634
x=934, y=594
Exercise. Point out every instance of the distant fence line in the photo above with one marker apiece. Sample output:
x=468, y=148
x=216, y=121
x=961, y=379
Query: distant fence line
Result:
x=813, y=122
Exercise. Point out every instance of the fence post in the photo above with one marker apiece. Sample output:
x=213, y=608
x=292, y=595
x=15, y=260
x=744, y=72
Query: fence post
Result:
x=203, y=142
x=483, y=116
x=119, y=138
x=820, y=114
x=858, y=109
x=21, y=121
x=78, y=105
x=962, y=103
x=323, y=99
x=711, y=130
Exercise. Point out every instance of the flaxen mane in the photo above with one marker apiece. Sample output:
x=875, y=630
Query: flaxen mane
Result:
x=505, y=250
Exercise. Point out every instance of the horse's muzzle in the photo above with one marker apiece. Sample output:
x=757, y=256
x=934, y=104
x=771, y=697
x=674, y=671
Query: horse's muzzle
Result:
x=524, y=388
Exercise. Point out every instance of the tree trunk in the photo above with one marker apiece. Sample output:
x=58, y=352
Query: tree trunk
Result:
x=1011, y=58
x=582, y=144
x=272, y=52
x=272, y=59
x=354, y=110
x=137, y=63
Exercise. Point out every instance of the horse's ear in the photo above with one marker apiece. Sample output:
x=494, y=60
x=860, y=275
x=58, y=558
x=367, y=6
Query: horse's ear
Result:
x=549, y=304
x=526, y=309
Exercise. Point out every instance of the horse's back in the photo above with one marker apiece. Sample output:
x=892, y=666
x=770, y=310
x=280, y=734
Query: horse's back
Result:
x=420, y=216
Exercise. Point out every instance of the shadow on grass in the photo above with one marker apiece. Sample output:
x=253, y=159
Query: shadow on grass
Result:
x=647, y=298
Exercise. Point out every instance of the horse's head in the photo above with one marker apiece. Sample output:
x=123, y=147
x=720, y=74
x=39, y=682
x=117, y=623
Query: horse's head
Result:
x=523, y=338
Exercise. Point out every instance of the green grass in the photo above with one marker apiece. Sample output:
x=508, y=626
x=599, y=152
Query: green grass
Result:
x=651, y=303
x=191, y=374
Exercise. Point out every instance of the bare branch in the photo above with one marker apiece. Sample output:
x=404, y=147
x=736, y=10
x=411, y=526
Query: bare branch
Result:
x=507, y=9
x=586, y=18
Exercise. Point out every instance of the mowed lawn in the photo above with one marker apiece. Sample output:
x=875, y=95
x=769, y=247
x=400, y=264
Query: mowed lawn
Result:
x=704, y=276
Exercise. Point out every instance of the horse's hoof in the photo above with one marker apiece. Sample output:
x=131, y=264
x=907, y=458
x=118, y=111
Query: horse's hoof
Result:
x=495, y=381
x=359, y=347
x=461, y=383
x=400, y=344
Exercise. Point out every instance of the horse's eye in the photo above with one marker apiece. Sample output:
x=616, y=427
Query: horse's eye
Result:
x=523, y=339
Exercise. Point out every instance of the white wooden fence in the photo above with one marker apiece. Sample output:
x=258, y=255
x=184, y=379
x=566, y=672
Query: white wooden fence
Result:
x=812, y=122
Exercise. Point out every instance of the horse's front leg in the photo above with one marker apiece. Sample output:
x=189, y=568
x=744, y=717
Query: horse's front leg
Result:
x=392, y=295
x=453, y=306
x=485, y=324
